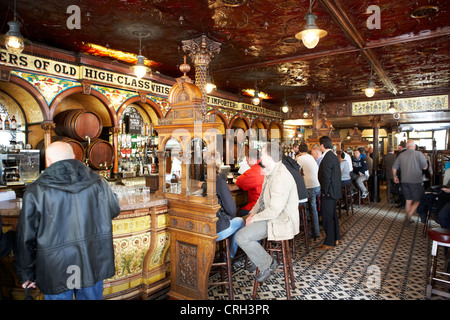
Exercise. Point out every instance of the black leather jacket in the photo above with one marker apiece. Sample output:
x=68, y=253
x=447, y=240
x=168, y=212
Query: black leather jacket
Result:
x=65, y=225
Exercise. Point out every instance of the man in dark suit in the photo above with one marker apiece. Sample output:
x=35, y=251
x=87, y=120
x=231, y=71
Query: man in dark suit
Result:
x=388, y=162
x=330, y=188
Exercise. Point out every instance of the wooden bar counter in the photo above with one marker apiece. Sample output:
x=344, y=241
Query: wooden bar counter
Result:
x=141, y=240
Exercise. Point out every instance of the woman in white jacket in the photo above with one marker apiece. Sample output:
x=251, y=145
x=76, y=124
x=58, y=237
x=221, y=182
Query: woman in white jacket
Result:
x=275, y=215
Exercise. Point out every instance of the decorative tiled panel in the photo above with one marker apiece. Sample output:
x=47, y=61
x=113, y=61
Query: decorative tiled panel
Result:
x=431, y=103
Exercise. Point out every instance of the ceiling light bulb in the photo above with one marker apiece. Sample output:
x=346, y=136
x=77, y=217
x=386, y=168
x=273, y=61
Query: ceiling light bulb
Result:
x=392, y=108
x=285, y=109
x=370, y=90
x=14, y=44
x=140, y=69
x=14, y=41
x=305, y=113
x=256, y=100
x=311, y=34
x=310, y=38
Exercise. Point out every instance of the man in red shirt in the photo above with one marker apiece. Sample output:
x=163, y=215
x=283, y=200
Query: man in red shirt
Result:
x=251, y=181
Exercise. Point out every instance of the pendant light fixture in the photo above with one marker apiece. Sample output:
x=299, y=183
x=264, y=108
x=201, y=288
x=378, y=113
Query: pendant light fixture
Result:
x=311, y=34
x=392, y=108
x=370, y=90
x=285, y=108
x=256, y=100
x=140, y=69
x=13, y=39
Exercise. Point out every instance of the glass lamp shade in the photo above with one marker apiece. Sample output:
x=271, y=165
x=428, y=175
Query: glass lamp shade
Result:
x=285, y=109
x=310, y=38
x=305, y=113
x=256, y=100
x=311, y=34
x=392, y=108
x=14, y=42
x=140, y=69
x=370, y=90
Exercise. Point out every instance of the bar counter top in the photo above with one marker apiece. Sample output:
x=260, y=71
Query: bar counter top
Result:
x=11, y=208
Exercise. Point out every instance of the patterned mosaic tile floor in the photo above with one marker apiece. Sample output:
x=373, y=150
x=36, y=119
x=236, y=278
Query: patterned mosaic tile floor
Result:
x=377, y=244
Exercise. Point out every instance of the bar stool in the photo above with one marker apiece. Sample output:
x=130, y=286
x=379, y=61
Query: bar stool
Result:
x=280, y=247
x=347, y=196
x=224, y=263
x=305, y=224
x=359, y=194
x=426, y=224
x=440, y=237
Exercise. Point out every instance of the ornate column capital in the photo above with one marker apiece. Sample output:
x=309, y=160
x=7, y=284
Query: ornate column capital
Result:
x=48, y=125
x=375, y=121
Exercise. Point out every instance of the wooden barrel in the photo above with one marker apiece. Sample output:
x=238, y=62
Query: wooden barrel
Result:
x=78, y=124
x=98, y=153
x=78, y=148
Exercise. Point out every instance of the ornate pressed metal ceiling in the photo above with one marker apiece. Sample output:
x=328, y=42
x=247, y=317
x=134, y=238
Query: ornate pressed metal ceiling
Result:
x=409, y=53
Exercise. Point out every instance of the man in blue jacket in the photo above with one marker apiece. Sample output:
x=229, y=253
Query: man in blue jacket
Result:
x=360, y=170
x=64, y=232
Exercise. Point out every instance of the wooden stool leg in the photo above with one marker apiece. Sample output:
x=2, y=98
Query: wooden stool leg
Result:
x=306, y=229
x=291, y=270
x=347, y=208
x=285, y=253
x=229, y=270
x=432, y=270
x=350, y=196
x=255, y=285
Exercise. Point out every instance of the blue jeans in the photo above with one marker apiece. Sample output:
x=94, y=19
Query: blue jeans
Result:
x=90, y=293
x=312, y=195
x=235, y=224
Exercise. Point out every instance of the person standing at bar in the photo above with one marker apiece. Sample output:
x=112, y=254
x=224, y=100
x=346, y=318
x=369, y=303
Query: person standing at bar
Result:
x=388, y=161
x=310, y=171
x=64, y=232
x=330, y=188
x=411, y=163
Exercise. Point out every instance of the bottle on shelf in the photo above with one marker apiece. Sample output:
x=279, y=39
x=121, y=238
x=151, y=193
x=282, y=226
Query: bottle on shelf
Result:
x=7, y=126
x=13, y=123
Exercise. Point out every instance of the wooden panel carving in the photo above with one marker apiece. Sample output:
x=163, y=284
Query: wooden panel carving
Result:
x=187, y=265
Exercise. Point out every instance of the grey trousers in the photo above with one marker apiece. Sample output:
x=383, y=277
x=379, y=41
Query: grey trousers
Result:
x=359, y=182
x=247, y=238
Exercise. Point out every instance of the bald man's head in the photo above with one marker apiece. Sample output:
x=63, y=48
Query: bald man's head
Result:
x=58, y=151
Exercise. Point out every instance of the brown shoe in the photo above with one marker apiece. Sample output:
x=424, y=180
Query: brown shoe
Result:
x=338, y=242
x=325, y=247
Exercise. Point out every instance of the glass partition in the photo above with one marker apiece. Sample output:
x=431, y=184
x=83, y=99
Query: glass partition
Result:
x=173, y=166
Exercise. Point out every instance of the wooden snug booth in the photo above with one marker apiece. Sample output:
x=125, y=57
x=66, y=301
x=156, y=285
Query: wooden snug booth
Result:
x=192, y=217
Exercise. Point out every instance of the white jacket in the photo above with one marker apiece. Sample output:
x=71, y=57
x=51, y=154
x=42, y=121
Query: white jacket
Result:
x=280, y=204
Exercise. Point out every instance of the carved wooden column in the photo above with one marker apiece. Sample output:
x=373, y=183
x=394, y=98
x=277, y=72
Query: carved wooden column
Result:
x=192, y=217
x=376, y=121
x=48, y=126
x=202, y=49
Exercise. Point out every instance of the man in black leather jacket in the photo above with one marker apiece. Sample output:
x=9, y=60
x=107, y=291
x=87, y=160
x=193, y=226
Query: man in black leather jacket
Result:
x=64, y=233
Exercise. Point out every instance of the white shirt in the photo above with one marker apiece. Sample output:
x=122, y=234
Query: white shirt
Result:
x=310, y=170
x=349, y=160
